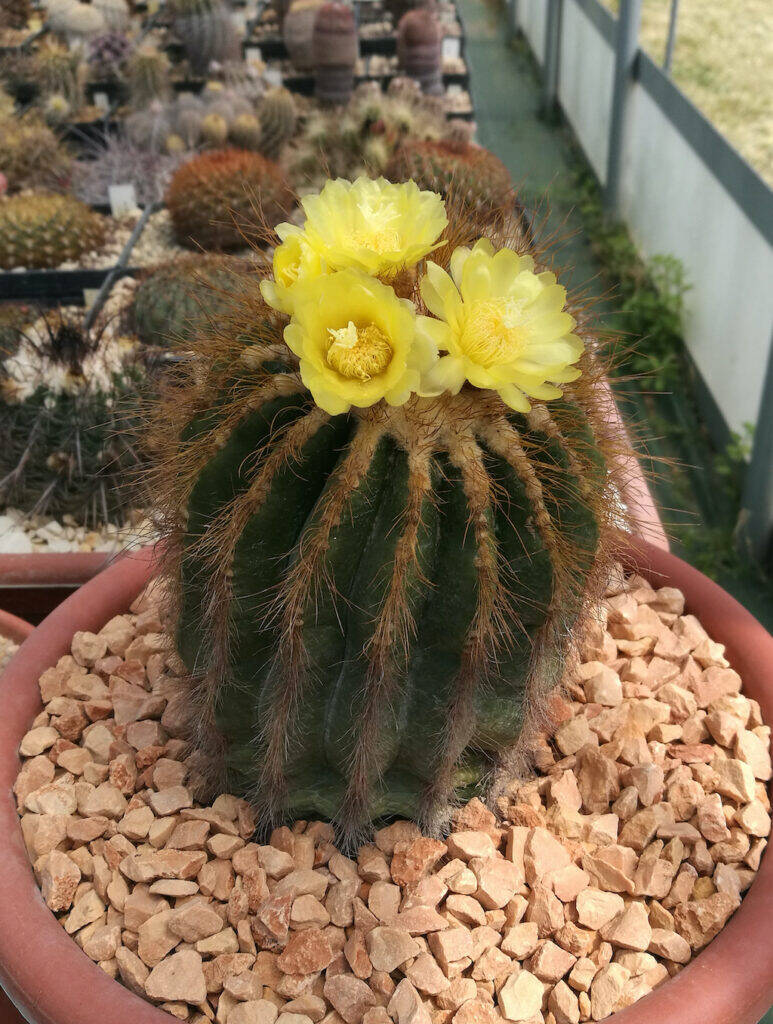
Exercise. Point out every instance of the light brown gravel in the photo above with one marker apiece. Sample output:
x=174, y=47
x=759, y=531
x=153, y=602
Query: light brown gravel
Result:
x=579, y=892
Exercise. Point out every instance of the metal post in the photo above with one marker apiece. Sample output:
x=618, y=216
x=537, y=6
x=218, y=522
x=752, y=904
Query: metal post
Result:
x=668, y=60
x=756, y=525
x=628, y=25
x=551, y=58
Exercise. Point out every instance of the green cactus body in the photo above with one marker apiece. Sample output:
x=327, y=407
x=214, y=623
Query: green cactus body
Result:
x=43, y=230
x=278, y=118
x=369, y=557
x=173, y=300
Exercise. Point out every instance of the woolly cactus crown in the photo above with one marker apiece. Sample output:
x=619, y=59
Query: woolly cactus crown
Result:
x=386, y=515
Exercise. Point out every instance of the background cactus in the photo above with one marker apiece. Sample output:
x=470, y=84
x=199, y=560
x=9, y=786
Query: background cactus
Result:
x=148, y=76
x=75, y=21
x=173, y=300
x=208, y=33
x=68, y=417
x=213, y=192
x=106, y=56
x=118, y=161
x=372, y=606
x=334, y=49
x=15, y=14
x=40, y=229
x=298, y=32
x=419, y=41
x=475, y=177
x=115, y=13
x=278, y=119
x=60, y=74
x=31, y=155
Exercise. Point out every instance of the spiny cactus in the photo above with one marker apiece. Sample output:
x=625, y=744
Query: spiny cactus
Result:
x=212, y=194
x=148, y=76
x=334, y=48
x=419, y=39
x=31, y=155
x=278, y=118
x=173, y=301
x=245, y=132
x=298, y=32
x=208, y=34
x=75, y=21
x=41, y=229
x=376, y=591
x=118, y=161
x=68, y=417
x=60, y=72
x=473, y=174
x=106, y=55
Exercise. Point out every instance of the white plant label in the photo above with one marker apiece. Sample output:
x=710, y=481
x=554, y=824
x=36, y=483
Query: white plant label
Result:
x=123, y=199
x=272, y=76
x=90, y=297
x=451, y=48
x=253, y=53
x=101, y=100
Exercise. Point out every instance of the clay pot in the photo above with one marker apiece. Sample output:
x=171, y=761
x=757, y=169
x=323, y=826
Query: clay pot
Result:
x=33, y=585
x=13, y=628
x=53, y=982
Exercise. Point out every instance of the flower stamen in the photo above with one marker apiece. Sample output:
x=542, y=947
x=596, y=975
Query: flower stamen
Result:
x=358, y=353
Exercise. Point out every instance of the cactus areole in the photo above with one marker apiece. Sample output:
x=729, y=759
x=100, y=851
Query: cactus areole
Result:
x=387, y=518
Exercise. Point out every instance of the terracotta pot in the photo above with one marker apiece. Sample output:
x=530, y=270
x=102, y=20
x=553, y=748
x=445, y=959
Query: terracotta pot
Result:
x=53, y=982
x=33, y=585
x=13, y=628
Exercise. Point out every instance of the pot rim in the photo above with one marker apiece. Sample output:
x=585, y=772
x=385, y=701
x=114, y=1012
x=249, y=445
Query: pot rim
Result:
x=52, y=981
x=52, y=568
x=13, y=628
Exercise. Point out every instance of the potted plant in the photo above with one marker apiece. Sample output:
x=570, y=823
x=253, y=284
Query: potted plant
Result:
x=358, y=531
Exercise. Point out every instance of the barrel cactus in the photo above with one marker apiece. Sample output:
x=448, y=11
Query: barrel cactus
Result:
x=475, y=177
x=40, y=230
x=334, y=48
x=208, y=33
x=175, y=299
x=419, y=39
x=381, y=554
x=68, y=416
x=31, y=155
x=212, y=194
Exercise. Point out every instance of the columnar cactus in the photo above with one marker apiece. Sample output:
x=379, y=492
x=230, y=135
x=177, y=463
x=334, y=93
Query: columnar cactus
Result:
x=42, y=230
x=212, y=194
x=148, y=76
x=386, y=515
x=419, y=40
x=278, y=118
x=208, y=33
x=334, y=48
x=298, y=32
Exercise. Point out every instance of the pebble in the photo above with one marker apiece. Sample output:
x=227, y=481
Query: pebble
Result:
x=595, y=882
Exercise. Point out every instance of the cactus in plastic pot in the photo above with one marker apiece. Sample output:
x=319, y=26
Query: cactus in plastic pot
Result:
x=106, y=56
x=298, y=32
x=475, y=176
x=334, y=48
x=386, y=516
x=68, y=419
x=148, y=76
x=40, y=230
x=278, y=119
x=207, y=32
x=174, y=300
x=419, y=40
x=213, y=194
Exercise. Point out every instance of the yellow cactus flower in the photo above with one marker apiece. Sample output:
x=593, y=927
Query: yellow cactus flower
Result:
x=503, y=326
x=294, y=260
x=375, y=226
x=356, y=341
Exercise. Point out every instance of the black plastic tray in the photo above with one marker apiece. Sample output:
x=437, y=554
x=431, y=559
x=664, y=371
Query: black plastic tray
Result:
x=53, y=286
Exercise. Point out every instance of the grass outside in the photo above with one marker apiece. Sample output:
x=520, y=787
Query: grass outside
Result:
x=723, y=61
